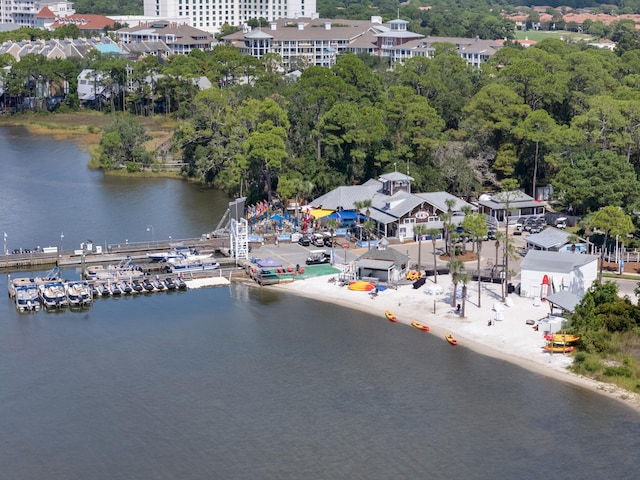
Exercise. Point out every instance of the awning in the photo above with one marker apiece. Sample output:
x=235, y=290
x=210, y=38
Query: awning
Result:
x=563, y=299
x=319, y=213
x=345, y=215
x=375, y=264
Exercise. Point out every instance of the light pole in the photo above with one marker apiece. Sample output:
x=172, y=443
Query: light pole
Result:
x=5, y=243
x=61, y=237
x=150, y=229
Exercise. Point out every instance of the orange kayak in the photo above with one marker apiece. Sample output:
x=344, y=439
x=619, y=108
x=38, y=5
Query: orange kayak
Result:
x=390, y=316
x=420, y=326
x=450, y=339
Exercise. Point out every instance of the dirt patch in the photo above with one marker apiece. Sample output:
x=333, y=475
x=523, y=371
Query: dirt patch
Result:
x=465, y=257
x=629, y=267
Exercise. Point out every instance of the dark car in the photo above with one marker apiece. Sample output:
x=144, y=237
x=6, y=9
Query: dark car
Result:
x=305, y=241
x=329, y=242
x=318, y=258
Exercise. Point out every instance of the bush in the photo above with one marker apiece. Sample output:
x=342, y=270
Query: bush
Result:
x=618, y=371
x=133, y=167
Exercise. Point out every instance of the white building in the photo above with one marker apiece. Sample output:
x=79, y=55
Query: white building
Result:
x=23, y=12
x=544, y=272
x=210, y=15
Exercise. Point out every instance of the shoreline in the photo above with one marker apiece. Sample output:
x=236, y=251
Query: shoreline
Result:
x=510, y=340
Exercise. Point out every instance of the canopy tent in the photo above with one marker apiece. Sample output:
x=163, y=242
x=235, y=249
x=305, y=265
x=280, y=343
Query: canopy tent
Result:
x=344, y=215
x=319, y=212
x=268, y=263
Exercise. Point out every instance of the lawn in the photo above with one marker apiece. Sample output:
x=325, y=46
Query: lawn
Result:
x=565, y=35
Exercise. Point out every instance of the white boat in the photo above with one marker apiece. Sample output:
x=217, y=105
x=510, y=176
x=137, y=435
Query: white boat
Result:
x=181, y=266
x=78, y=293
x=125, y=270
x=179, y=253
x=27, y=298
x=53, y=294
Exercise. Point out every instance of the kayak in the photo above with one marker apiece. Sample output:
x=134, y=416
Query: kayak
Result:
x=562, y=338
x=420, y=326
x=450, y=339
x=559, y=348
x=361, y=286
x=390, y=316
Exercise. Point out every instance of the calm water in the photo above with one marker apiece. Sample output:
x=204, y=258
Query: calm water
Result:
x=244, y=383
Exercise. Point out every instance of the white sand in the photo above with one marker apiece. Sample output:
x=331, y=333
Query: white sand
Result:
x=510, y=339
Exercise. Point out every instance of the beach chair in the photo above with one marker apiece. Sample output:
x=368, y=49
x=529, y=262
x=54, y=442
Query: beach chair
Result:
x=301, y=271
x=280, y=270
x=289, y=269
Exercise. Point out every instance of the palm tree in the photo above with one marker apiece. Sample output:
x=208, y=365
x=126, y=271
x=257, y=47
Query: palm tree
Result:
x=420, y=230
x=332, y=224
x=456, y=267
x=499, y=238
x=464, y=278
x=364, y=204
x=573, y=239
x=369, y=227
x=433, y=233
x=467, y=211
x=476, y=225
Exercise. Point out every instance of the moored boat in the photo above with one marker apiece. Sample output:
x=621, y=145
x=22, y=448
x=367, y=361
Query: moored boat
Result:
x=190, y=265
x=170, y=284
x=419, y=326
x=53, y=294
x=137, y=287
x=181, y=284
x=450, y=339
x=390, y=316
x=27, y=298
x=78, y=293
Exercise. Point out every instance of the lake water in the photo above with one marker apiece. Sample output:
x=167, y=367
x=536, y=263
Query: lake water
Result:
x=247, y=383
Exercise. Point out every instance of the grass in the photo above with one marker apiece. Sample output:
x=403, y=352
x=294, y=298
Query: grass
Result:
x=565, y=35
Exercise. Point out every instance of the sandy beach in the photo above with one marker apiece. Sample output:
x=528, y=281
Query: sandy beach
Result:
x=510, y=339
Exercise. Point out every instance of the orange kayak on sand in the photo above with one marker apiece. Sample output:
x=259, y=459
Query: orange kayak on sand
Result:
x=420, y=326
x=390, y=316
x=450, y=339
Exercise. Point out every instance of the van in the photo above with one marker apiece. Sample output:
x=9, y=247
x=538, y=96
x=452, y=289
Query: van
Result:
x=561, y=222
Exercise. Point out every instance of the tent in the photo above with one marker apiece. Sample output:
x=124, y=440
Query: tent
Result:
x=278, y=218
x=268, y=263
x=319, y=212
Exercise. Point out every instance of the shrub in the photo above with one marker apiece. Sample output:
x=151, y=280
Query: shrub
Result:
x=618, y=371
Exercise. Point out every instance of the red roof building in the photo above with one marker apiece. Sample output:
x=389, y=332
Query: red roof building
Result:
x=85, y=22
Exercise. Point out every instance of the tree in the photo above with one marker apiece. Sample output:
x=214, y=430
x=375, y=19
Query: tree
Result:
x=332, y=224
x=508, y=194
x=456, y=267
x=123, y=141
x=476, y=225
x=613, y=222
x=433, y=233
x=420, y=230
x=464, y=278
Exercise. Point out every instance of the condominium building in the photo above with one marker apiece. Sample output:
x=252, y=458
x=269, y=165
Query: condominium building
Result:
x=210, y=15
x=304, y=42
x=23, y=12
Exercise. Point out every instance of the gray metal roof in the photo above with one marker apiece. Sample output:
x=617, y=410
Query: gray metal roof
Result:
x=517, y=199
x=562, y=262
x=344, y=197
x=396, y=205
x=395, y=177
x=549, y=238
x=385, y=255
x=563, y=299
x=381, y=217
x=438, y=200
x=375, y=264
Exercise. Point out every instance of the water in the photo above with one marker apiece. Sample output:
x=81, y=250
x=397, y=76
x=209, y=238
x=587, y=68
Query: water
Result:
x=245, y=383
x=49, y=198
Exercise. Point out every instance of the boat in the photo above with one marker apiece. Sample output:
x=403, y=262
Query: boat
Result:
x=27, y=298
x=115, y=289
x=361, y=286
x=420, y=326
x=191, y=265
x=125, y=270
x=125, y=287
x=136, y=286
x=53, y=294
x=157, y=284
x=94, y=290
x=562, y=338
x=170, y=284
x=78, y=293
x=147, y=285
x=559, y=348
x=181, y=283
x=450, y=339
x=178, y=253
x=103, y=289
x=390, y=316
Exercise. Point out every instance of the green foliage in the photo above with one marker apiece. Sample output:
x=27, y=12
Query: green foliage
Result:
x=122, y=142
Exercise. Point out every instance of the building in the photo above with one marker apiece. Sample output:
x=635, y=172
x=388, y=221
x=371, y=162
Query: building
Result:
x=19, y=12
x=180, y=38
x=211, y=15
x=86, y=22
x=519, y=204
x=316, y=41
x=564, y=272
x=556, y=240
x=56, y=48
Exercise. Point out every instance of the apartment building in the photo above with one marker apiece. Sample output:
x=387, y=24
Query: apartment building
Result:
x=210, y=15
x=23, y=13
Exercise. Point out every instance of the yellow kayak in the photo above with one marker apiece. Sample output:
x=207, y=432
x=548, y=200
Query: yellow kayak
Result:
x=420, y=326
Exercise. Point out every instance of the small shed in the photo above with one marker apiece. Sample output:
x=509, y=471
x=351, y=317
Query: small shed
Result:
x=571, y=272
x=384, y=265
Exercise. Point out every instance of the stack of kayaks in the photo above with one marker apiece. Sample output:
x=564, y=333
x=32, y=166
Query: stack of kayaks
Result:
x=560, y=342
x=361, y=286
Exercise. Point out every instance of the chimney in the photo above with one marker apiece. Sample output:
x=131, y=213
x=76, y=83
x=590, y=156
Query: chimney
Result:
x=300, y=25
x=327, y=25
x=273, y=25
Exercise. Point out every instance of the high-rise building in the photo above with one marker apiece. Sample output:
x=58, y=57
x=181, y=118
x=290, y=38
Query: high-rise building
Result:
x=210, y=15
x=22, y=13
